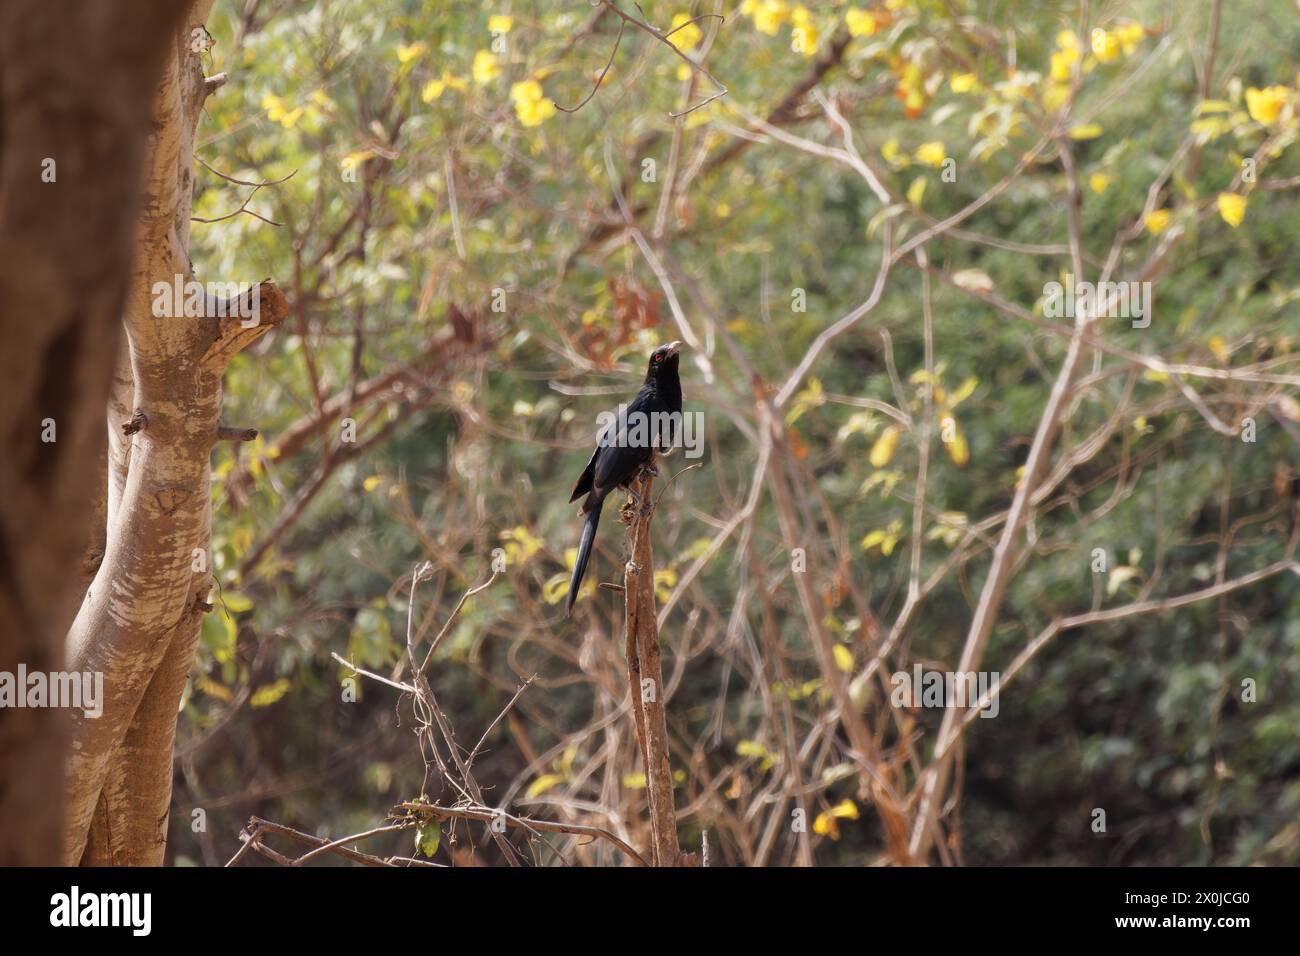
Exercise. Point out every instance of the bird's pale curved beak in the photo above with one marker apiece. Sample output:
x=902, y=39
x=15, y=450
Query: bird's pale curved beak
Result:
x=674, y=347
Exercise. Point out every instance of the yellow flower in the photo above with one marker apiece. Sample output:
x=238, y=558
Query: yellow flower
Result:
x=957, y=447
x=665, y=580
x=769, y=15
x=277, y=112
x=688, y=37
x=1086, y=131
x=1157, y=222
x=405, y=54
x=962, y=82
x=1055, y=96
x=886, y=540
x=1266, y=105
x=1210, y=128
x=1062, y=60
x=1099, y=183
x=1105, y=45
x=825, y=825
x=861, y=23
x=500, y=23
x=894, y=155
x=931, y=154
x=911, y=90
x=525, y=90
x=520, y=544
x=1130, y=34
x=486, y=68
x=435, y=88
x=531, y=106
x=916, y=191
x=1066, y=40
x=803, y=35
x=883, y=450
x=1232, y=207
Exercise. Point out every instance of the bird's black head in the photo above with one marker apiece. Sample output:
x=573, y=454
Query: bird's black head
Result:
x=663, y=363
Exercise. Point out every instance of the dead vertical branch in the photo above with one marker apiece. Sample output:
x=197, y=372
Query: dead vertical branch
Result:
x=645, y=673
x=634, y=681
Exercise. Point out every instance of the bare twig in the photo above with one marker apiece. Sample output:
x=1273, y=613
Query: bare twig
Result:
x=599, y=79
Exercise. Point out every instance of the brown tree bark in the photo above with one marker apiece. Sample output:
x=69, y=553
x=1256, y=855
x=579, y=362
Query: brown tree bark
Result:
x=75, y=86
x=645, y=675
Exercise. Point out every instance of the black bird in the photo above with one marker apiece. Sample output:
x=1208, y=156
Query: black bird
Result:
x=627, y=443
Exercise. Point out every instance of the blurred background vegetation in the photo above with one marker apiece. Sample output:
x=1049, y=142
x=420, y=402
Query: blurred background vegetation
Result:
x=430, y=168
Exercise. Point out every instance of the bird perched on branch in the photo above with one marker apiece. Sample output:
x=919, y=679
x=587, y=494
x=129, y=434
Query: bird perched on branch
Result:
x=650, y=422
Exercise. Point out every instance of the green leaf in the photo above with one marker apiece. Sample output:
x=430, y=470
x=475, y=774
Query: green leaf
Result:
x=428, y=837
x=236, y=603
x=218, y=634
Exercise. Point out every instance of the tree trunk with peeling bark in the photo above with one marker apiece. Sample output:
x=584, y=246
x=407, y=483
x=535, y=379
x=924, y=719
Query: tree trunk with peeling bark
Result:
x=75, y=85
x=139, y=622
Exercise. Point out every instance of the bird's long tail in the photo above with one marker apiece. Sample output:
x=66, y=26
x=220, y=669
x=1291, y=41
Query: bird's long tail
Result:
x=584, y=553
